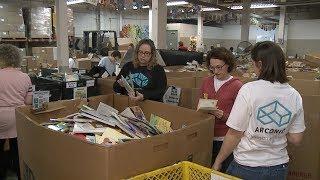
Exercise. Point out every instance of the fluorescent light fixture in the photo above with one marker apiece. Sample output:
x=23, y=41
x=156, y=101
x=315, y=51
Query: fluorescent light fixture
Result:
x=75, y=2
x=256, y=6
x=1, y=6
x=134, y=7
x=210, y=9
x=176, y=3
x=145, y=7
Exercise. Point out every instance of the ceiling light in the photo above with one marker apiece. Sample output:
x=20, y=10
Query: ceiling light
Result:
x=255, y=6
x=69, y=2
x=210, y=9
x=134, y=7
x=176, y=3
x=145, y=7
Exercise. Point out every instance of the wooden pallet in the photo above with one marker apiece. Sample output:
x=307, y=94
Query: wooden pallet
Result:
x=40, y=39
x=13, y=39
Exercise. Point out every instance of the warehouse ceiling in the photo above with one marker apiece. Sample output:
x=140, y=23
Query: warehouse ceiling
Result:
x=295, y=9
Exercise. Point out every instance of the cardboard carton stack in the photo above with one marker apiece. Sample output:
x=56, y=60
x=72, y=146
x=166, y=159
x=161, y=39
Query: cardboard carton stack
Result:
x=40, y=22
x=45, y=56
x=11, y=21
x=70, y=20
x=76, y=158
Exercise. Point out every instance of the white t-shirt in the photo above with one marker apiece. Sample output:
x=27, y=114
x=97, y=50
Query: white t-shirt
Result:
x=109, y=66
x=218, y=83
x=265, y=112
x=72, y=63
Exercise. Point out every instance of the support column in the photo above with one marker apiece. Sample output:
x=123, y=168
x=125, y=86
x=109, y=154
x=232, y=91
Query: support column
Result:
x=159, y=24
x=98, y=17
x=200, y=33
x=245, y=20
x=281, y=32
x=120, y=22
x=62, y=33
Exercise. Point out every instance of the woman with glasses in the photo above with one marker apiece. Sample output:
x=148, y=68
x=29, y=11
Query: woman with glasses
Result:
x=147, y=78
x=224, y=88
x=266, y=115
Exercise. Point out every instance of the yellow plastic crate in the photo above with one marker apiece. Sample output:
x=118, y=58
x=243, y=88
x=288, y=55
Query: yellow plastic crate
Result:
x=184, y=171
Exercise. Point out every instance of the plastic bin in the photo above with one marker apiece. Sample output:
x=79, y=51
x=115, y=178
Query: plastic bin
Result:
x=184, y=171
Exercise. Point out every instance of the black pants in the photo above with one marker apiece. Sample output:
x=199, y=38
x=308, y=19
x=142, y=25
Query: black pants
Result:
x=215, y=151
x=10, y=159
x=96, y=70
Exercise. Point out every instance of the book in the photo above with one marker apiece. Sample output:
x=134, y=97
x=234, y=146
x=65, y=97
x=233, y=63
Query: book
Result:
x=112, y=136
x=106, y=110
x=86, y=128
x=161, y=124
x=98, y=117
x=40, y=99
x=207, y=105
x=127, y=86
x=134, y=112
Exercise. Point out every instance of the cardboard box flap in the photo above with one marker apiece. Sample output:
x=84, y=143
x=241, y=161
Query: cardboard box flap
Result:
x=305, y=159
x=46, y=153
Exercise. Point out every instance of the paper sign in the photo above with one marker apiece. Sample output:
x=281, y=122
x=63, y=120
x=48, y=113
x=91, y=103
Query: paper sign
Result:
x=80, y=93
x=172, y=95
x=70, y=85
x=90, y=83
x=39, y=98
x=82, y=71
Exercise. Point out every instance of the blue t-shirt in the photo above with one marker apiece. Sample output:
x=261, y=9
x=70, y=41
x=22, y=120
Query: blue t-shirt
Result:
x=109, y=66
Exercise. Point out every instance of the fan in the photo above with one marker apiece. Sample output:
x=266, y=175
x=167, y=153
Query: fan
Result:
x=243, y=50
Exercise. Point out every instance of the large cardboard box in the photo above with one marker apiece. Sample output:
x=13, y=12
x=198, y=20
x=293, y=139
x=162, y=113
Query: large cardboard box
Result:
x=47, y=154
x=186, y=82
x=314, y=58
x=105, y=85
x=305, y=159
x=189, y=98
x=302, y=75
x=83, y=63
x=306, y=87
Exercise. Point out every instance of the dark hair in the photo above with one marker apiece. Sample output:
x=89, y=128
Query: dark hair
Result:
x=104, y=51
x=273, y=67
x=153, y=60
x=180, y=43
x=222, y=54
x=231, y=48
x=131, y=45
x=116, y=54
x=9, y=56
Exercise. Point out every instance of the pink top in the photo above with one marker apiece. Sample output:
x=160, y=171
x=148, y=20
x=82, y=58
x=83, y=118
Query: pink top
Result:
x=15, y=90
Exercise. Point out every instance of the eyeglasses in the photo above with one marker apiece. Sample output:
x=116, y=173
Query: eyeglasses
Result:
x=212, y=68
x=146, y=53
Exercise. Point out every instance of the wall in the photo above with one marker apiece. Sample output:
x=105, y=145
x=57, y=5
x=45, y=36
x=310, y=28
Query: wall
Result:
x=227, y=36
x=303, y=37
x=85, y=20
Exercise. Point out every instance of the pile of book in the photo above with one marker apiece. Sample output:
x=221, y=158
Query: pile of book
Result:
x=107, y=126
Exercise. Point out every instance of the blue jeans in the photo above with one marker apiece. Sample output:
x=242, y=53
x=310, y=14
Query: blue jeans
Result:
x=278, y=172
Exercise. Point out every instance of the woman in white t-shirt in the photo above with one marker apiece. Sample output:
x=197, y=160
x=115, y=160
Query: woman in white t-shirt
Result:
x=266, y=114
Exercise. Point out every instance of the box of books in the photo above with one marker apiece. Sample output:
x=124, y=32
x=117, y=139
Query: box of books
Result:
x=109, y=137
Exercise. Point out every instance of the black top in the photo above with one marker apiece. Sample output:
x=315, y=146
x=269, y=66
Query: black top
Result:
x=151, y=83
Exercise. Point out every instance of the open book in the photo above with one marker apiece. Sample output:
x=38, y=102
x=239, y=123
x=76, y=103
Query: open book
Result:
x=207, y=105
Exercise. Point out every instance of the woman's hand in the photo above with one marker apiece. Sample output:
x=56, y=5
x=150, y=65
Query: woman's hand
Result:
x=137, y=97
x=120, y=82
x=216, y=166
x=217, y=113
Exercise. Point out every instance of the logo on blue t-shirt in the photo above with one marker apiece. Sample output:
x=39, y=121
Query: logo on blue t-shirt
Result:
x=140, y=79
x=274, y=112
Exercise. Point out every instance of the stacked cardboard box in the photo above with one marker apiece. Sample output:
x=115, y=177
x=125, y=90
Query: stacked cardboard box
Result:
x=73, y=158
x=70, y=20
x=313, y=58
x=83, y=63
x=11, y=21
x=40, y=22
x=44, y=54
